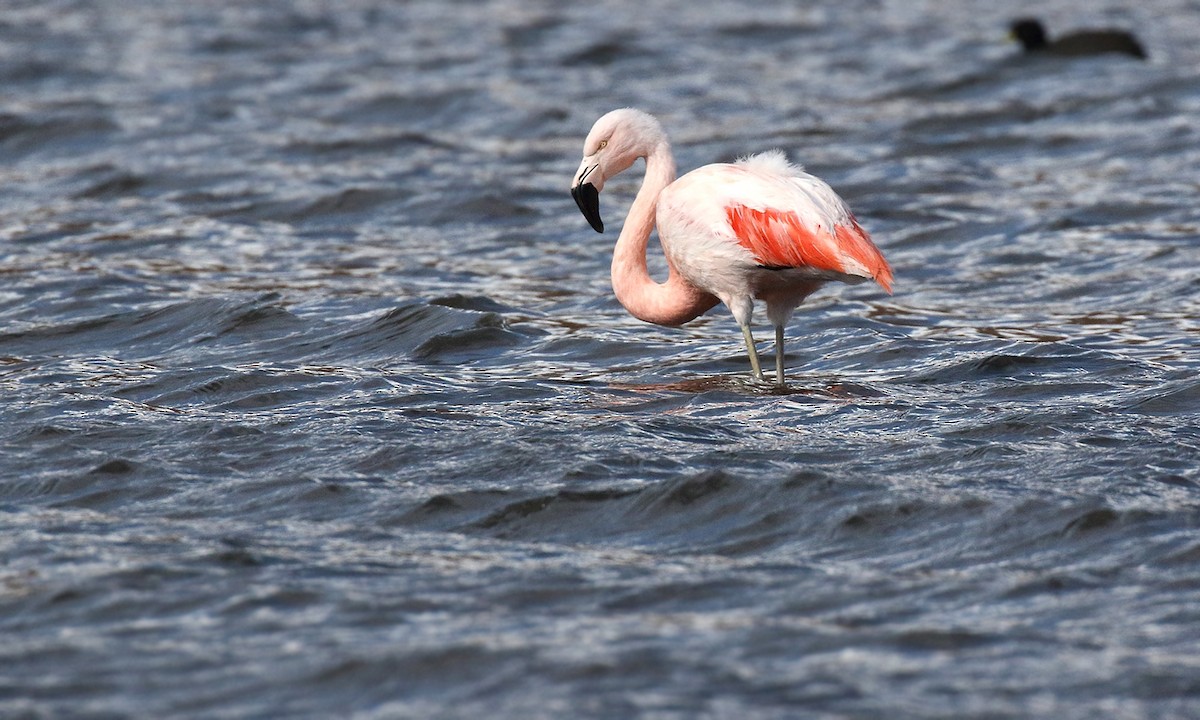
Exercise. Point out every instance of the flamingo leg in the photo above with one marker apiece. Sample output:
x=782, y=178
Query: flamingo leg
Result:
x=755, y=368
x=779, y=355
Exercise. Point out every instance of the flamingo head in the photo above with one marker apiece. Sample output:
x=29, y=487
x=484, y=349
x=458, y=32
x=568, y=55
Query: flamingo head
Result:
x=615, y=142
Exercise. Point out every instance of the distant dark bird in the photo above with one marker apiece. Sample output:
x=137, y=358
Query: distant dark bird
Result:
x=1032, y=36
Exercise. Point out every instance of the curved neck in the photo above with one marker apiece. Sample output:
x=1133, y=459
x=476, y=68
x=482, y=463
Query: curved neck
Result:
x=671, y=303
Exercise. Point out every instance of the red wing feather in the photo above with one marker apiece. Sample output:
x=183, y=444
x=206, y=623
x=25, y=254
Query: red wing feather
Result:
x=779, y=238
x=854, y=242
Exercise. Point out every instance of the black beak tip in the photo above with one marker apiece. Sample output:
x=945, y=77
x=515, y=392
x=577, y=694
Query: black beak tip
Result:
x=587, y=197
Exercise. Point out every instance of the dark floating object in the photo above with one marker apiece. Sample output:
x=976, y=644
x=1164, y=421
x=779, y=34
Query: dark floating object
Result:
x=1032, y=36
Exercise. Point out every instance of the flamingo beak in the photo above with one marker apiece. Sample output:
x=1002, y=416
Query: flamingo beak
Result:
x=587, y=197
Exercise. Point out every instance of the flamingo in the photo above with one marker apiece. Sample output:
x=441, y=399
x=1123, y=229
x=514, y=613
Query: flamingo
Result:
x=757, y=229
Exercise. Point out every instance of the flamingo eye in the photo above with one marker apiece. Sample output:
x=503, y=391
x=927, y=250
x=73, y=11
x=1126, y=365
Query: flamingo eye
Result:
x=603, y=144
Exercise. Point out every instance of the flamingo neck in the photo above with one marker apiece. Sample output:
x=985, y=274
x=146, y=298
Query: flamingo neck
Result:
x=671, y=303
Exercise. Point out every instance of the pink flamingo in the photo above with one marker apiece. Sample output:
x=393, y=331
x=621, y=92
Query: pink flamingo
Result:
x=758, y=229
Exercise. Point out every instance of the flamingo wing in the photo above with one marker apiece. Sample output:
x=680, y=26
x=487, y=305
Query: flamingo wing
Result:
x=719, y=221
x=787, y=218
x=781, y=239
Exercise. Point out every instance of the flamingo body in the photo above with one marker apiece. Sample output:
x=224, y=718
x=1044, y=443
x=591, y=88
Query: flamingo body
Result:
x=766, y=229
x=758, y=229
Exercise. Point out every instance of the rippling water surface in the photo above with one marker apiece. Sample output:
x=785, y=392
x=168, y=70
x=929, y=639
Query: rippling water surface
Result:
x=317, y=401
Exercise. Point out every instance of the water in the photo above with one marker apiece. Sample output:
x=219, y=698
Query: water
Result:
x=317, y=401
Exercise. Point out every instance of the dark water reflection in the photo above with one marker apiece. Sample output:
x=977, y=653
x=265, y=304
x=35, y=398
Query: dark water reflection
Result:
x=318, y=401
